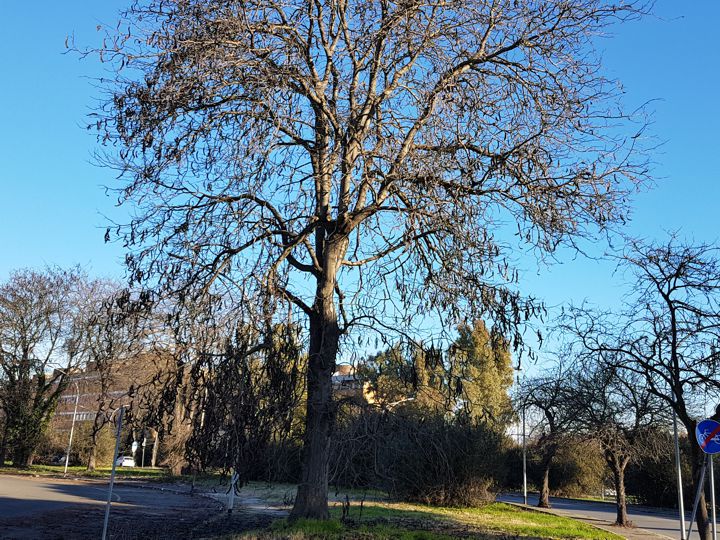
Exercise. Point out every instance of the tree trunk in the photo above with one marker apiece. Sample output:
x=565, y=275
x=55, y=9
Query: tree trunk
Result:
x=23, y=456
x=550, y=448
x=156, y=445
x=93, y=456
x=3, y=444
x=544, y=501
x=311, y=500
x=618, y=465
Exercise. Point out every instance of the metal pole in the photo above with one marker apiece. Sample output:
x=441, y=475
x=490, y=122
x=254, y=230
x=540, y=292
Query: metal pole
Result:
x=142, y=463
x=524, y=451
x=700, y=487
x=112, y=474
x=72, y=427
x=681, y=503
x=712, y=498
x=231, y=498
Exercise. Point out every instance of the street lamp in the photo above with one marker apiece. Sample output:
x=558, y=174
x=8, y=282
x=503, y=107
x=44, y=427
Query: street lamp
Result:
x=72, y=426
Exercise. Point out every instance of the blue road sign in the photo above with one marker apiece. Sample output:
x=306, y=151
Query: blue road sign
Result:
x=707, y=433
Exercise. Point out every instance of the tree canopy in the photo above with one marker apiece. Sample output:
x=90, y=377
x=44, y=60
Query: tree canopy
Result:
x=359, y=160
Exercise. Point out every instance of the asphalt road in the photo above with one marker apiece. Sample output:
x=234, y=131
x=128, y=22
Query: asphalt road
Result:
x=657, y=521
x=35, y=507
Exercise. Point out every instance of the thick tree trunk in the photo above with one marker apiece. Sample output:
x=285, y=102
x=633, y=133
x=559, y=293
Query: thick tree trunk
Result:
x=618, y=465
x=23, y=456
x=311, y=500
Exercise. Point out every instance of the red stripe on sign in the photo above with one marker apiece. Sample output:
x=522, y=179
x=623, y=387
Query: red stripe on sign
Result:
x=710, y=437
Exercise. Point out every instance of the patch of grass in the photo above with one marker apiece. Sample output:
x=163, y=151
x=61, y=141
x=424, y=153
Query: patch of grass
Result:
x=306, y=529
x=100, y=472
x=402, y=521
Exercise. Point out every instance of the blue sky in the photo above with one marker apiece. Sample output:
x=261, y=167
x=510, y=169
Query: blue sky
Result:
x=52, y=203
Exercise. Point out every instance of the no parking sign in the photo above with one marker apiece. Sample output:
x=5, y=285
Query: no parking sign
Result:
x=707, y=433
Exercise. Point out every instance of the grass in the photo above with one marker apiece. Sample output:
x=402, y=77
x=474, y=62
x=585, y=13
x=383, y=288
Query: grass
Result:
x=100, y=472
x=401, y=521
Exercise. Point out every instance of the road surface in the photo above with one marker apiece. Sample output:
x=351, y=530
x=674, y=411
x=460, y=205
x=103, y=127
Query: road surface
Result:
x=52, y=508
x=657, y=521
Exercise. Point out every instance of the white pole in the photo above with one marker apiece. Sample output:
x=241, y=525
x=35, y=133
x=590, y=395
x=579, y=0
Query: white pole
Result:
x=231, y=497
x=681, y=504
x=524, y=450
x=712, y=499
x=72, y=427
x=112, y=474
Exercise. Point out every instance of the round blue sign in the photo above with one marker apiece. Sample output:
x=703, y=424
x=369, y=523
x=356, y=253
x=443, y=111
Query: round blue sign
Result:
x=707, y=433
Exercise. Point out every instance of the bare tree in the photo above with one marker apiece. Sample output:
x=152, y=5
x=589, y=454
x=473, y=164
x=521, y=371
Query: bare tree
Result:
x=551, y=394
x=615, y=408
x=41, y=341
x=358, y=159
x=115, y=359
x=669, y=333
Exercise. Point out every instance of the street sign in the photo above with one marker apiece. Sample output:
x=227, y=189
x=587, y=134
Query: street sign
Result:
x=134, y=446
x=707, y=433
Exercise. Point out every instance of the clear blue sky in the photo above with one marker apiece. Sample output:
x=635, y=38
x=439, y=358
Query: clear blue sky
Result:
x=52, y=203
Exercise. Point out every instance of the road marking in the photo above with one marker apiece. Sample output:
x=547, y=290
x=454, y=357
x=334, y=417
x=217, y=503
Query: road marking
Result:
x=105, y=490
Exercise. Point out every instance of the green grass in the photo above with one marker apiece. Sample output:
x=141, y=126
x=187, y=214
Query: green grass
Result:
x=100, y=472
x=401, y=521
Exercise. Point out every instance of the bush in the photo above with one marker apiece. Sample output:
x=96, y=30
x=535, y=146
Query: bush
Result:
x=419, y=456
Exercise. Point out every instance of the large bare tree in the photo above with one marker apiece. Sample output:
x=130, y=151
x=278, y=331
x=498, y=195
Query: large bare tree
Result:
x=360, y=160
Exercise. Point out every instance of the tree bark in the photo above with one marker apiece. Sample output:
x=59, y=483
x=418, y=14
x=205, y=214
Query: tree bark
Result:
x=548, y=455
x=156, y=445
x=3, y=443
x=544, y=501
x=92, y=457
x=311, y=499
x=618, y=465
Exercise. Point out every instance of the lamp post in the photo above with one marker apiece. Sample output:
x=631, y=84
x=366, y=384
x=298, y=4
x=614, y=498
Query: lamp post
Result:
x=72, y=427
x=114, y=465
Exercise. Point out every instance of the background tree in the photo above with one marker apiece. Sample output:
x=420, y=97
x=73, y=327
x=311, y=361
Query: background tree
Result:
x=42, y=339
x=550, y=395
x=359, y=159
x=112, y=339
x=668, y=334
x=482, y=365
x=614, y=408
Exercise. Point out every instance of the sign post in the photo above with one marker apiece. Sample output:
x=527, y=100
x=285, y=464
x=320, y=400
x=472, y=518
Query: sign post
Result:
x=112, y=474
x=678, y=471
x=707, y=434
x=712, y=498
